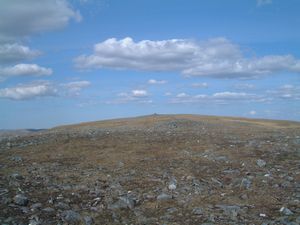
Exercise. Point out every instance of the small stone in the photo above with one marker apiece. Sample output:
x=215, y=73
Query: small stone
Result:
x=123, y=203
x=3, y=191
x=24, y=209
x=88, y=220
x=244, y=196
x=246, y=183
x=262, y=215
x=197, y=211
x=16, y=158
x=17, y=176
x=230, y=210
x=261, y=163
x=71, y=217
x=21, y=200
x=216, y=182
x=36, y=206
x=33, y=222
x=48, y=210
x=163, y=197
x=286, y=211
x=172, y=210
x=62, y=205
x=172, y=184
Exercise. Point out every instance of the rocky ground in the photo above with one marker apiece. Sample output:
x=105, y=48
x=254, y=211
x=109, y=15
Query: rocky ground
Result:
x=157, y=169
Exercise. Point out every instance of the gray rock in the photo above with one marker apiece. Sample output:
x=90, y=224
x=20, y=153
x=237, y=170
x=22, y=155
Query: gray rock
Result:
x=16, y=176
x=5, y=200
x=8, y=145
x=172, y=184
x=230, y=210
x=216, y=182
x=62, y=205
x=21, y=200
x=172, y=210
x=88, y=220
x=24, y=209
x=163, y=197
x=34, y=222
x=261, y=163
x=16, y=158
x=36, y=206
x=246, y=183
x=197, y=211
x=9, y=220
x=3, y=191
x=123, y=203
x=71, y=217
x=286, y=211
x=48, y=210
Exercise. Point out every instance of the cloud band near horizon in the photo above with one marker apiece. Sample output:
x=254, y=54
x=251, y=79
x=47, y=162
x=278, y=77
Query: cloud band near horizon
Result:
x=216, y=57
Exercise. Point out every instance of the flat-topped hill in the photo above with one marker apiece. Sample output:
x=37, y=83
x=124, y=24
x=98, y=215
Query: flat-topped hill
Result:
x=158, y=169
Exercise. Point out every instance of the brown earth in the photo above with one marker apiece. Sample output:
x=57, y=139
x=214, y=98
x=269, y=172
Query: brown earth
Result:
x=114, y=172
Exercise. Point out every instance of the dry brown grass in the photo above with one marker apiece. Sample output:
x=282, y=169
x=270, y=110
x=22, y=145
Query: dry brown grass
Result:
x=181, y=154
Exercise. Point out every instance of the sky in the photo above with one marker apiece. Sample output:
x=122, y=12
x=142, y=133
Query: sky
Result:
x=70, y=61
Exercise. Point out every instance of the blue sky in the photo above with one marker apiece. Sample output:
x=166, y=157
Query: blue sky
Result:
x=71, y=61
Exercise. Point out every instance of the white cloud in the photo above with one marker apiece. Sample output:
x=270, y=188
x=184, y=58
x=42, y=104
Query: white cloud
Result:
x=263, y=2
x=19, y=18
x=11, y=53
x=252, y=112
x=139, y=93
x=153, y=81
x=23, y=70
x=136, y=95
x=43, y=89
x=286, y=92
x=182, y=95
x=244, y=86
x=145, y=55
x=75, y=87
x=29, y=91
x=215, y=57
x=216, y=97
x=231, y=95
x=200, y=85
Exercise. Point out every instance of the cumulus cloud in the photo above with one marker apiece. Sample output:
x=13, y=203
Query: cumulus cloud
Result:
x=252, y=112
x=287, y=92
x=182, y=95
x=12, y=53
x=244, y=86
x=263, y=2
x=23, y=70
x=215, y=57
x=29, y=91
x=136, y=95
x=145, y=55
x=20, y=18
x=153, y=81
x=40, y=89
x=232, y=95
x=216, y=97
x=75, y=87
x=200, y=85
x=139, y=93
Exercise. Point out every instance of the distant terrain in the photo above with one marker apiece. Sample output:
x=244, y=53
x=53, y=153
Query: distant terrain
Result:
x=158, y=169
x=14, y=133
